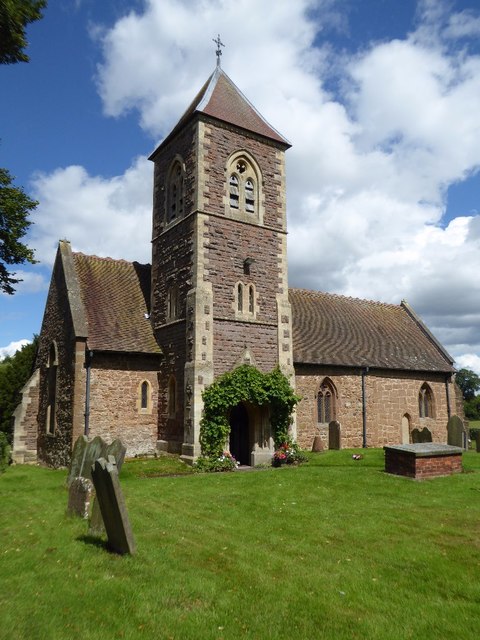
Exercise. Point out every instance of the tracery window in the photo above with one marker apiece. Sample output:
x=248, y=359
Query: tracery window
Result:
x=326, y=402
x=175, y=191
x=425, y=401
x=243, y=186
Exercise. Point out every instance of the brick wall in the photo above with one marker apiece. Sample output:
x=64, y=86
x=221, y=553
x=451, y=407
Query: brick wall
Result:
x=389, y=396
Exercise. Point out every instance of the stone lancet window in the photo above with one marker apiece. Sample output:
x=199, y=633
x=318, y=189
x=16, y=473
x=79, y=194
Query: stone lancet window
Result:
x=173, y=303
x=51, y=390
x=240, y=297
x=326, y=402
x=244, y=301
x=243, y=186
x=172, y=397
x=425, y=401
x=175, y=191
x=145, y=397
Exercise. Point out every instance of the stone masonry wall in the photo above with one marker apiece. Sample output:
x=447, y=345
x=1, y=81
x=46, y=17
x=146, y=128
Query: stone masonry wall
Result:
x=115, y=410
x=57, y=328
x=389, y=396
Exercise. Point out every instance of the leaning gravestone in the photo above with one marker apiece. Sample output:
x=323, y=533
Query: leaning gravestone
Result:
x=334, y=435
x=80, y=495
x=84, y=454
x=317, y=444
x=455, y=432
x=112, y=506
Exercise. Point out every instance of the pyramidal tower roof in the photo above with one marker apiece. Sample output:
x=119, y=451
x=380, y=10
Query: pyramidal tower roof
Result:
x=220, y=98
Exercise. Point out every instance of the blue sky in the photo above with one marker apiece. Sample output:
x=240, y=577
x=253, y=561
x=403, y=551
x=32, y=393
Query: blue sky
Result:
x=379, y=98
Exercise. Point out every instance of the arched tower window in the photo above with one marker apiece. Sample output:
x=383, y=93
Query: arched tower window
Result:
x=251, y=299
x=425, y=401
x=173, y=303
x=51, y=390
x=243, y=184
x=326, y=406
x=175, y=191
x=240, y=297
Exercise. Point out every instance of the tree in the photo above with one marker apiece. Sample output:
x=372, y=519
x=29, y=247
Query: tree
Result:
x=14, y=16
x=14, y=372
x=15, y=206
x=469, y=383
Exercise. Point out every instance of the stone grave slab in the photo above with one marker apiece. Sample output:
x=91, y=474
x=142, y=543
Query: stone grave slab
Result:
x=455, y=432
x=317, y=444
x=112, y=506
x=334, y=435
x=80, y=495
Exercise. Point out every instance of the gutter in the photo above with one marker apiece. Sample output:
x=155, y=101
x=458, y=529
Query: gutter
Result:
x=88, y=365
x=364, y=408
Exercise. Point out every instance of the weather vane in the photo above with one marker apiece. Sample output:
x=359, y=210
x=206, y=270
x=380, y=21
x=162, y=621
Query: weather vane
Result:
x=218, y=52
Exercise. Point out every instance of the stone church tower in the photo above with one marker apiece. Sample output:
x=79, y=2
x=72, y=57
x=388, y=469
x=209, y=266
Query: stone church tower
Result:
x=219, y=263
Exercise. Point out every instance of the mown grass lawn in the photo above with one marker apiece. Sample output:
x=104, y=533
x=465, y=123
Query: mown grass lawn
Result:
x=335, y=549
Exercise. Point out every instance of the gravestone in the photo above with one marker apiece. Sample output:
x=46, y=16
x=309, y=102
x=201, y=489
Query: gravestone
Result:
x=425, y=435
x=455, y=432
x=420, y=437
x=80, y=495
x=84, y=454
x=317, y=444
x=334, y=435
x=477, y=441
x=112, y=506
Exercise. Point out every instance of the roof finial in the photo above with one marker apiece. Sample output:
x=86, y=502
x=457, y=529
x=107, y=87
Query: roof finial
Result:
x=218, y=52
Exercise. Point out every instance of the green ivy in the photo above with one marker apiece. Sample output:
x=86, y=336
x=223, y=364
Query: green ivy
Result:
x=245, y=384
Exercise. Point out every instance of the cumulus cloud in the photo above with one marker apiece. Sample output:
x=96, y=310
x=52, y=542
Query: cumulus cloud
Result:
x=370, y=166
x=12, y=348
x=107, y=217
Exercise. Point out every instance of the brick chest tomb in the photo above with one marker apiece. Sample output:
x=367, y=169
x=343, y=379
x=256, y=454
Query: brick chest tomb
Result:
x=423, y=460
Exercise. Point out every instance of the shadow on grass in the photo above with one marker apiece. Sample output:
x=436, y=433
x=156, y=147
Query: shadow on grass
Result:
x=95, y=541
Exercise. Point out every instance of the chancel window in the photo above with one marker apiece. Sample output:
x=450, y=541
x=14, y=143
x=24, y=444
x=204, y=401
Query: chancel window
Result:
x=144, y=395
x=425, y=402
x=325, y=402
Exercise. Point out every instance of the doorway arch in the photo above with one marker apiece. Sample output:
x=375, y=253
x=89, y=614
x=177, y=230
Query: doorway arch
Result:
x=240, y=442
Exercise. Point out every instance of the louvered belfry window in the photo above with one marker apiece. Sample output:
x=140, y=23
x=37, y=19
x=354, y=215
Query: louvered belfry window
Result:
x=242, y=187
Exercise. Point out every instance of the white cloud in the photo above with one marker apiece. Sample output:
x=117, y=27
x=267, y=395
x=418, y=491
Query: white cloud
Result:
x=368, y=171
x=12, y=348
x=469, y=361
x=106, y=217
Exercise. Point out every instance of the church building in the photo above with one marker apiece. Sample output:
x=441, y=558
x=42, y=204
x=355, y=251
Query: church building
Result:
x=127, y=349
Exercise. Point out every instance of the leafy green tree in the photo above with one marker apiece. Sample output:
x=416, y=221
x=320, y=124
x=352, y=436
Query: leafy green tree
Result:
x=14, y=372
x=15, y=206
x=472, y=408
x=469, y=383
x=14, y=16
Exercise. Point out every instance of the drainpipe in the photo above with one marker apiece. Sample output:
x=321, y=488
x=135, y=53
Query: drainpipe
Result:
x=364, y=408
x=88, y=364
x=447, y=390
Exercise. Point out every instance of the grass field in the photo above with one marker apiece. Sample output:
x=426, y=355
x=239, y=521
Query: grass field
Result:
x=334, y=549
